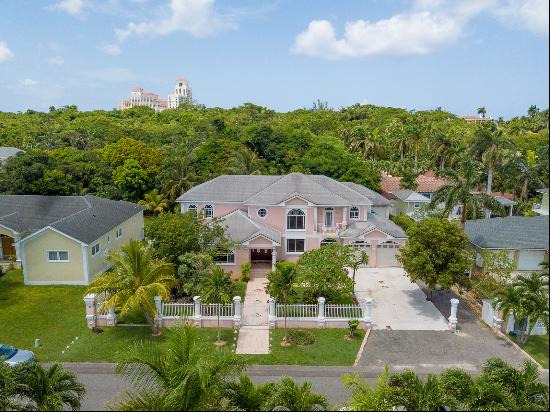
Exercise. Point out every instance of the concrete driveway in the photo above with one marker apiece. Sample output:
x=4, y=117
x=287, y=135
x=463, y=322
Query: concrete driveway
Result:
x=398, y=304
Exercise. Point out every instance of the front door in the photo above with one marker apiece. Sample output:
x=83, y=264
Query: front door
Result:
x=328, y=217
x=8, y=248
x=260, y=255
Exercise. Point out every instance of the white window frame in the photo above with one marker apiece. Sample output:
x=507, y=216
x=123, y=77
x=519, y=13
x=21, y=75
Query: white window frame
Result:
x=288, y=252
x=209, y=208
x=329, y=210
x=416, y=205
x=258, y=213
x=192, y=208
x=303, y=214
x=58, y=260
x=118, y=233
x=354, y=209
x=96, y=249
x=230, y=253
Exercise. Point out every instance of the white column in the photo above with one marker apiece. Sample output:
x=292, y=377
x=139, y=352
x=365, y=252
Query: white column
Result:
x=197, y=311
x=315, y=219
x=91, y=318
x=273, y=258
x=111, y=316
x=453, y=319
x=497, y=319
x=237, y=306
x=344, y=218
x=367, y=314
x=321, y=315
x=272, y=313
x=158, y=307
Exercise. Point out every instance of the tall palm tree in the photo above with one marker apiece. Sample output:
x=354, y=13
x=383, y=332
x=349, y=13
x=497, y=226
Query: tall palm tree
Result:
x=244, y=162
x=134, y=279
x=246, y=396
x=48, y=389
x=366, y=141
x=364, y=397
x=523, y=175
x=287, y=395
x=280, y=285
x=482, y=111
x=396, y=134
x=154, y=202
x=217, y=288
x=460, y=189
x=177, y=177
x=181, y=375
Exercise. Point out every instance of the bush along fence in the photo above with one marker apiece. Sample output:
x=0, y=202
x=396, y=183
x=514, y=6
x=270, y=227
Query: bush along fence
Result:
x=319, y=315
x=96, y=314
x=494, y=319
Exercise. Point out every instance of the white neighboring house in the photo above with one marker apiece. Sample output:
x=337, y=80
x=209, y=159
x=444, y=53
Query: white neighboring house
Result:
x=408, y=202
x=525, y=238
x=7, y=152
x=542, y=208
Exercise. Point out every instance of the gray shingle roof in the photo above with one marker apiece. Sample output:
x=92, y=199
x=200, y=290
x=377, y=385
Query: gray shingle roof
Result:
x=376, y=198
x=269, y=190
x=240, y=228
x=513, y=232
x=7, y=152
x=408, y=195
x=356, y=229
x=85, y=218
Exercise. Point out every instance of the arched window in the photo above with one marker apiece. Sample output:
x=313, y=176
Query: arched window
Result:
x=208, y=211
x=354, y=213
x=296, y=220
x=192, y=208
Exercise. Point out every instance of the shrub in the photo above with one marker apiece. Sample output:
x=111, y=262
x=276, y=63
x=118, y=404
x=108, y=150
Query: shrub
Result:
x=245, y=271
x=353, y=324
x=301, y=337
x=404, y=221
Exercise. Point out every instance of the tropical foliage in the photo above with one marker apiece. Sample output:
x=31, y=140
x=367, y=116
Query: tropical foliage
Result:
x=281, y=286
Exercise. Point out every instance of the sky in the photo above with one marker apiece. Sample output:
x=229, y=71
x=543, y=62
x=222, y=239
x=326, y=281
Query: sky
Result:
x=282, y=54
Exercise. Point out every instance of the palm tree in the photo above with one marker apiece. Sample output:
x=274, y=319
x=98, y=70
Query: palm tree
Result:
x=362, y=259
x=280, y=285
x=8, y=387
x=482, y=111
x=244, y=162
x=460, y=189
x=366, y=141
x=177, y=177
x=365, y=397
x=217, y=288
x=287, y=395
x=133, y=281
x=154, y=202
x=396, y=133
x=48, y=389
x=246, y=396
x=523, y=175
x=182, y=374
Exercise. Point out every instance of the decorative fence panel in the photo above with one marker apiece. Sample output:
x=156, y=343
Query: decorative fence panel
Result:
x=297, y=310
x=350, y=311
x=214, y=310
x=177, y=310
x=102, y=310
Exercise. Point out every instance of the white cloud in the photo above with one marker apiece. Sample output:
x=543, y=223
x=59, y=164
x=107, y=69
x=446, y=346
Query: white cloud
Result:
x=56, y=61
x=72, y=7
x=531, y=15
x=29, y=82
x=5, y=53
x=195, y=17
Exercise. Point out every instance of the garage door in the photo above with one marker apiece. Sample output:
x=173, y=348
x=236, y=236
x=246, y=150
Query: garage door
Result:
x=530, y=259
x=386, y=254
x=363, y=246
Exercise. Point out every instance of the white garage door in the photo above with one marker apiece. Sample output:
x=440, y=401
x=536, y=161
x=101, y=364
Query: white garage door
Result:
x=363, y=246
x=386, y=254
x=530, y=259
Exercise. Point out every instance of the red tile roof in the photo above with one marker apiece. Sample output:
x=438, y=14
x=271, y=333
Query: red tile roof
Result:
x=426, y=183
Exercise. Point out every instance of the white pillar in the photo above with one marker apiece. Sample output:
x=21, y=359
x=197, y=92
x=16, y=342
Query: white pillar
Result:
x=197, y=311
x=237, y=306
x=344, y=218
x=158, y=307
x=273, y=259
x=315, y=219
x=91, y=318
x=497, y=319
x=453, y=319
x=272, y=313
x=367, y=314
x=111, y=316
x=321, y=315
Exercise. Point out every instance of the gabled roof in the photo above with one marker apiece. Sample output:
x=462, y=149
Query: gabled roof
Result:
x=425, y=183
x=408, y=195
x=240, y=228
x=513, y=232
x=376, y=198
x=85, y=218
x=374, y=222
x=273, y=190
x=7, y=152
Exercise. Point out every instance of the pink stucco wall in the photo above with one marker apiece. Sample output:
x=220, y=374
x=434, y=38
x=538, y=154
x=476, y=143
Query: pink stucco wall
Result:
x=242, y=255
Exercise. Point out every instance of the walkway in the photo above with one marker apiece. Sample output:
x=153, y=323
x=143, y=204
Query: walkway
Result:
x=254, y=332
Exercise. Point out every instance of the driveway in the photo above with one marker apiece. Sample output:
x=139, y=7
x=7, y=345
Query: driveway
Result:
x=398, y=304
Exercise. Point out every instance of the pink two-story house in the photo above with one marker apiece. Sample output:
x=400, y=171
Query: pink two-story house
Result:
x=276, y=218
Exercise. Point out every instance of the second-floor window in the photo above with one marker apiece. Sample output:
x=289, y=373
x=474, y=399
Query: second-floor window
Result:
x=296, y=220
x=354, y=213
x=95, y=249
x=208, y=211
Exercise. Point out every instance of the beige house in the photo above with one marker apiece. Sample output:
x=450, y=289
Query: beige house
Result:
x=65, y=239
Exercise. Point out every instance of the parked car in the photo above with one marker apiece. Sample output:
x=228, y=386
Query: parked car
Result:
x=14, y=356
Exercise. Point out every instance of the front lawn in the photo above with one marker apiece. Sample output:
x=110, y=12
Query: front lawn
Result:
x=537, y=347
x=330, y=349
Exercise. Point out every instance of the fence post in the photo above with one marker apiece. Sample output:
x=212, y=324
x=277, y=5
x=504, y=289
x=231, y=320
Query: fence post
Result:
x=197, y=311
x=111, y=316
x=453, y=319
x=272, y=313
x=497, y=319
x=321, y=315
x=91, y=317
x=237, y=310
x=367, y=315
x=158, y=316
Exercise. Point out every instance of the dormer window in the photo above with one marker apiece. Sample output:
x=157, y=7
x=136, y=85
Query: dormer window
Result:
x=296, y=220
x=354, y=213
x=208, y=211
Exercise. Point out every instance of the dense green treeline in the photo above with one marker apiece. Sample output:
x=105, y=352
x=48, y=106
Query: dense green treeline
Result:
x=126, y=154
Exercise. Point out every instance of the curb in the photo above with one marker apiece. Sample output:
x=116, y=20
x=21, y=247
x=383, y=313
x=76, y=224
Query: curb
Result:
x=519, y=349
x=363, y=344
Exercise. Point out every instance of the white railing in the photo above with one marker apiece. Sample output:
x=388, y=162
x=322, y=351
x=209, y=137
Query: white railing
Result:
x=297, y=310
x=215, y=309
x=177, y=310
x=102, y=311
x=333, y=311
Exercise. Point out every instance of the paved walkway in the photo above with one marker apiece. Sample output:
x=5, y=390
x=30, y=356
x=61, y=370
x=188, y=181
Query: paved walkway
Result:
x=397, y=304
x=254, y=332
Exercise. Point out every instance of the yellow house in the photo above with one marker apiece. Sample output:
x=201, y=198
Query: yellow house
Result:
x=65, y=239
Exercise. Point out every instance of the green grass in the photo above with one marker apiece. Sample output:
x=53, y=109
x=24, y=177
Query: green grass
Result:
x=330, y=349
x=537, y=347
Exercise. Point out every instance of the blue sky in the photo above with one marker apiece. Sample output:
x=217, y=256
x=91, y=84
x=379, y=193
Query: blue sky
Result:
x=283, y=54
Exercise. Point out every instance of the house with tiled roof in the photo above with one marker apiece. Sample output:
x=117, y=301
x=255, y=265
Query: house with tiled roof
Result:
x=64, y=239
x=274, y=218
